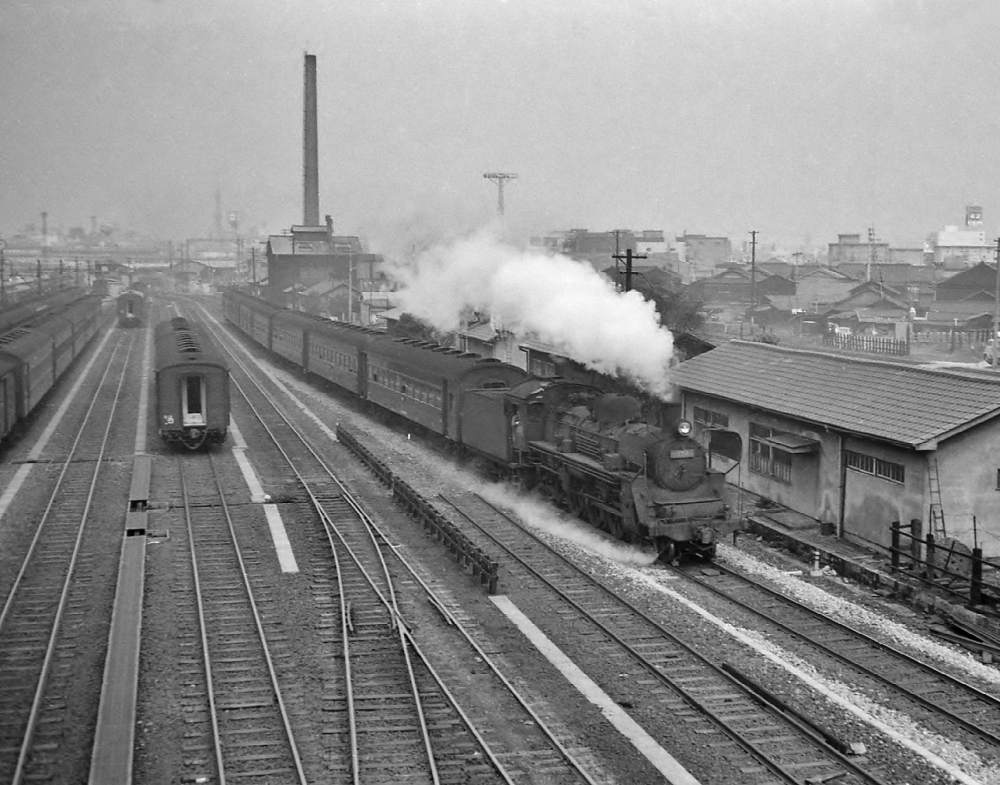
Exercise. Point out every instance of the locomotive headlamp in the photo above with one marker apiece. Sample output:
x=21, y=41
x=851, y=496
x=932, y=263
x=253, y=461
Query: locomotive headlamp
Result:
x=684, y=428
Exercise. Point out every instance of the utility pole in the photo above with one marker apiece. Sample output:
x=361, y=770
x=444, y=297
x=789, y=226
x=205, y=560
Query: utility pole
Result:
x=350, y=289
x=753, y=275
x=500, y=178
x=996, y=313
x=872, y=257
x=628, y=257
x=3, y=289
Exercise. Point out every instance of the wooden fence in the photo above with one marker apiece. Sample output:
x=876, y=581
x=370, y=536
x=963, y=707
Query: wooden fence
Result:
x=870, y=344
x=955, y=339
x=948, y=565
x=468, y=555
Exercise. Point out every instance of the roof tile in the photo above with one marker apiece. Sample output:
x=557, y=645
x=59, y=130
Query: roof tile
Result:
x=893, y=400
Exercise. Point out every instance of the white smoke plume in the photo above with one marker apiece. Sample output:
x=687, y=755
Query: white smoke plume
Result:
x=549, y=298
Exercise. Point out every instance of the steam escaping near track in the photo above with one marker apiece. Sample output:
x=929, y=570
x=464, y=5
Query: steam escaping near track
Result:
x=541, y=515
x=549, y=298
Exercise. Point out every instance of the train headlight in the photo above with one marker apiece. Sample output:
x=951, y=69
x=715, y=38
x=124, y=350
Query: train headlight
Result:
x=684, y=428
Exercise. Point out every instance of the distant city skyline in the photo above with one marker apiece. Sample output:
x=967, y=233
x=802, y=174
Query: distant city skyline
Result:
x=801, y=120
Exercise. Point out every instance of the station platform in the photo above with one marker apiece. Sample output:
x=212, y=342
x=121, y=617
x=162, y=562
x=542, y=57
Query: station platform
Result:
x=808, y=540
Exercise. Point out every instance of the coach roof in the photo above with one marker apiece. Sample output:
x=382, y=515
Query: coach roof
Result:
x=181, y=342
x=896, y=401
x=432, y=357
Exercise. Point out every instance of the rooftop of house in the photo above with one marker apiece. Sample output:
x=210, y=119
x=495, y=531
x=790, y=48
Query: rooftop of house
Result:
x=896, y=401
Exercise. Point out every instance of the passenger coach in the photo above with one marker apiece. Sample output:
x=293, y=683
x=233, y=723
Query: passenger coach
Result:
x=192, y=385
x=36, y=353
x=133, y=308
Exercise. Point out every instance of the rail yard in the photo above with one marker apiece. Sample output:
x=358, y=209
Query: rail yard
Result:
x=267, y=609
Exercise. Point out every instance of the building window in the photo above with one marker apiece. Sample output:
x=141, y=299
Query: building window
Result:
x=869, y=464
x=767, y=459
x=542, y=368
x=710, y=419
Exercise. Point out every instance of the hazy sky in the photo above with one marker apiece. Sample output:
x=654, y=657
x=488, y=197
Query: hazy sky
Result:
x=797, y=118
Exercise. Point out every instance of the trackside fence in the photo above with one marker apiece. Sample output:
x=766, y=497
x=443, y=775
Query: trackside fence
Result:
x=469, y=556
x=940, y=565
x=870, y=344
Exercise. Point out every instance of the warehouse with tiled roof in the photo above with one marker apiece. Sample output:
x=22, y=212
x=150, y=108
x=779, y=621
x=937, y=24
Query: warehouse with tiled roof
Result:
x=853, y=441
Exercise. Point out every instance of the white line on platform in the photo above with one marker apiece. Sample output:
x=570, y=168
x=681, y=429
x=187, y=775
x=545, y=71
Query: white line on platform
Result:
x=280, y=537
x=664, y=762
x=257, y=495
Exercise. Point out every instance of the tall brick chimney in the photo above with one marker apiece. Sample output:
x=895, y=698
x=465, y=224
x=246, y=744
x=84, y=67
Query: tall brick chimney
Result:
x=310, y=148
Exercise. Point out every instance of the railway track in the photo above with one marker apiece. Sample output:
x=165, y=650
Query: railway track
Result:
x=238, y=726
x=751, y=737
x=939, y=700
x=396, y=719
x=41, y=620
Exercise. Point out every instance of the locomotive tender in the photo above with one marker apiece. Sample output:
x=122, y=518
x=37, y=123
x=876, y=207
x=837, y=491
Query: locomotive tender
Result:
x=585, y=449
x=192, y=385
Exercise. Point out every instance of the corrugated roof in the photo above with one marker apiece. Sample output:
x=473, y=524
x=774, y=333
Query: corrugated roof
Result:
x=484, y=332
x=895, y=401
x=541, y=346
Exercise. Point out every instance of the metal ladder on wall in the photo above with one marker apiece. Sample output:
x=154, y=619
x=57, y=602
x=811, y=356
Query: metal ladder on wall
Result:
x=936, y=508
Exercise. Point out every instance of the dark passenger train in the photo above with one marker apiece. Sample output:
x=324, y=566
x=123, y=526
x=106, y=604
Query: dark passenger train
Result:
x=192, y=385
x=133, y=308
x=36, y=351
x=587, y=450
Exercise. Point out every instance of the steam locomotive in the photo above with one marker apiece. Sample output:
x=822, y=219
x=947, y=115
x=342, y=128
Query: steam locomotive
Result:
x=587, y=450
x=590, y=452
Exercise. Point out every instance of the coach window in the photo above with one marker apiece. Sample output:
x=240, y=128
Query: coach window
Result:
x=193, y=401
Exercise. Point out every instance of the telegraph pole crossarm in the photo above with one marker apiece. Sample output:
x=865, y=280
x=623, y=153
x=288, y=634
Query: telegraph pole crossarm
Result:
x=500, y=178
x=628, y=257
